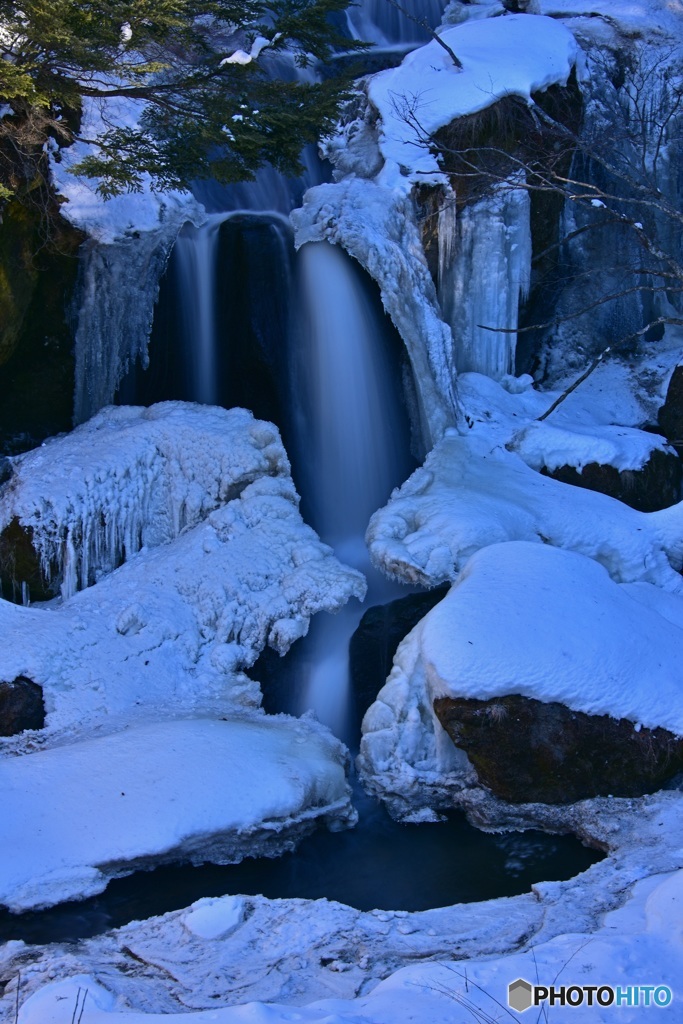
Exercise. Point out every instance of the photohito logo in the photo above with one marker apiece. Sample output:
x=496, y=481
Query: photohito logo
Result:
x=522, y=994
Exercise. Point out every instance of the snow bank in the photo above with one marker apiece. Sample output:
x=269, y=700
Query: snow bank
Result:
x=481, y=487
x=470, y=493
x=132, y=478
x=192, y=790
x=512, y=56
x=533, y=620
x=170, y=632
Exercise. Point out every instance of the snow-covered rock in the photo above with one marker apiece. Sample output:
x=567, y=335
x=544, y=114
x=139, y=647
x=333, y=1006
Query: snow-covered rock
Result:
x=475, y=489
x=192, y=790
x=132, y=478
x=524, y=619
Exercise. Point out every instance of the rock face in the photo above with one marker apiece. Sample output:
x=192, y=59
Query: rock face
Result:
x=671, y=414
x=21, y=563
x=373, y=645
x=656, y=486
x=21, y=706
x=524, y=750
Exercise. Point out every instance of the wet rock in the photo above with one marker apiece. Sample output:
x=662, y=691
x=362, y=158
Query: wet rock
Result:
x=21, y=706
x=670, y=415
x=373, y=645
x=524, y=750
x=655, y=486
x=20, y=563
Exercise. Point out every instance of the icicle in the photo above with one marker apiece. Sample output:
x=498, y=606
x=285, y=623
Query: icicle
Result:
x=483, y=279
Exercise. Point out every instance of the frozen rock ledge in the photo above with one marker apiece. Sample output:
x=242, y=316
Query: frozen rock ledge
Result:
x=190, y=790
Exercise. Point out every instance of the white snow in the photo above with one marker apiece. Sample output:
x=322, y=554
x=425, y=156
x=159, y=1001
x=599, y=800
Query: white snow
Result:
x=472, y=491
x=106, y=220
x=191, y=790
x=511, y=56
x=169, y=633
x=215, y=918
x=611, y=925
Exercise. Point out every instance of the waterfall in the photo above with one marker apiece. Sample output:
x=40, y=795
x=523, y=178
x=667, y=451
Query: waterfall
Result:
x=394, y=24
x=195, y=270
x=353, y=440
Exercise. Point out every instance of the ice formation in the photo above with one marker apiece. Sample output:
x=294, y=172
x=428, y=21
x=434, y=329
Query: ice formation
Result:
x=484, y=272
x=132, y=478
x=170, y=632
x=129, y=240
x=384, y=151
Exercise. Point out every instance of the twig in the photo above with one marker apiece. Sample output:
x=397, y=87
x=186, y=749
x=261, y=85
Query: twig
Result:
x=423, y=23
x=579, y=380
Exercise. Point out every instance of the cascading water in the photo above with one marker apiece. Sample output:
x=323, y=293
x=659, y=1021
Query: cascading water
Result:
x=352, y=441
x=195, y=266
x=389, y=24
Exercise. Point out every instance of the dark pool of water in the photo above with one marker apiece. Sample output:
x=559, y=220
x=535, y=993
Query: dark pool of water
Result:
x=379, y=864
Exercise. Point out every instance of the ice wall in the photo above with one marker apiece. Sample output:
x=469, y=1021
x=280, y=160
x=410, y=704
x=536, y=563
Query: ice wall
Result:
x=119, y=284
x=133, y=478
x=484, y=271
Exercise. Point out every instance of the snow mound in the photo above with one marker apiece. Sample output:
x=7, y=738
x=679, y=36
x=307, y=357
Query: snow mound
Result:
x=191, y=790
x=473, y=491
x=132, y=478
x=524, y=619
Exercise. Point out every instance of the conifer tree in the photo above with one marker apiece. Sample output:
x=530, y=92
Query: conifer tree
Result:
x=187, y=88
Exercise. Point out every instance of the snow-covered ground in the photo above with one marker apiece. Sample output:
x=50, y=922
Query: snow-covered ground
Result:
x=277, y=961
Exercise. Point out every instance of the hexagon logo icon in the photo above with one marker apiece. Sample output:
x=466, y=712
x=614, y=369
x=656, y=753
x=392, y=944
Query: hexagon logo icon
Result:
x=520, y=995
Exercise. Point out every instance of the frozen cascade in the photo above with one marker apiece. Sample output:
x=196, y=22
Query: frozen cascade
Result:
x=119, y=284
x=484, y=270
x=350, y=427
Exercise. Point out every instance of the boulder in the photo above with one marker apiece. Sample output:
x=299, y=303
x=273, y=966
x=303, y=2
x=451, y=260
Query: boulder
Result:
x=655, y=486
x=21, y=706
x=525, y=750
